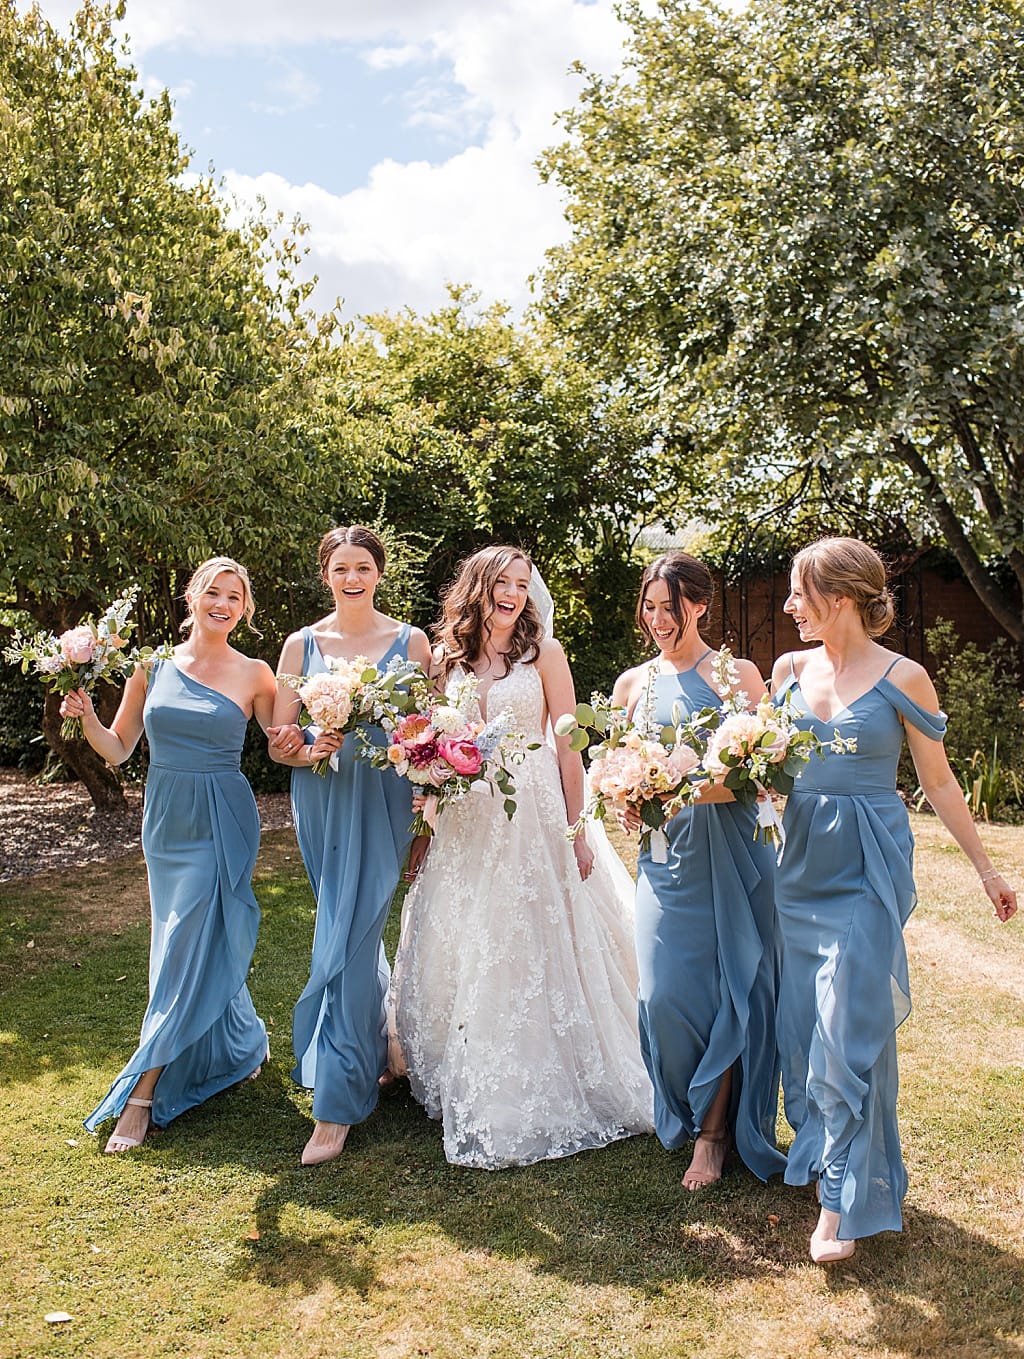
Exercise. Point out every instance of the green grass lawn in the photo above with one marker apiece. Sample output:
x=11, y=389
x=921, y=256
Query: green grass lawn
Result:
x=213, y=1241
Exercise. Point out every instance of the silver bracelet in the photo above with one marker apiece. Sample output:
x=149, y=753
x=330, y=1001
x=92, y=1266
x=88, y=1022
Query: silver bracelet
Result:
x=987, y=877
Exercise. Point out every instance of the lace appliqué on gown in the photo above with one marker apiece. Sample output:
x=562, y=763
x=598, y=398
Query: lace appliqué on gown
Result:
x=515, y=982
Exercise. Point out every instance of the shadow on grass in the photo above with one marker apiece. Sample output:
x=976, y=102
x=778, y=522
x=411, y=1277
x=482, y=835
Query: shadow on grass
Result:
x=611, y=1217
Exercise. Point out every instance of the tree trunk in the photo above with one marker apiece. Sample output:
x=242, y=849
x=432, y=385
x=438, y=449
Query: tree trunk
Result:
x=102, y=783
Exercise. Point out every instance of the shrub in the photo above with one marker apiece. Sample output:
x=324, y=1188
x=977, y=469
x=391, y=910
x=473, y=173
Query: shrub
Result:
x=980, y=693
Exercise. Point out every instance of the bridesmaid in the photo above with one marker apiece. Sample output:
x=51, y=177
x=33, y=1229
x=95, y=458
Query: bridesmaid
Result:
x=845, y=889
x=352, y=826
x=705, y=921
x=200, y=835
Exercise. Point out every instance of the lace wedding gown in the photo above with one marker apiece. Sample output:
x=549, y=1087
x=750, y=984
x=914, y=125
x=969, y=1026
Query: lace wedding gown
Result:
x=514, y=988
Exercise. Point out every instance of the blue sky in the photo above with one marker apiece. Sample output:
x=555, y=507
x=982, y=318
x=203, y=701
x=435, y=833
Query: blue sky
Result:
x=404, y=132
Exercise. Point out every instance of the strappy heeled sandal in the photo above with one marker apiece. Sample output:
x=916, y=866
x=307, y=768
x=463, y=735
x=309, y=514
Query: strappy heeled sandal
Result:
x=118, y=1142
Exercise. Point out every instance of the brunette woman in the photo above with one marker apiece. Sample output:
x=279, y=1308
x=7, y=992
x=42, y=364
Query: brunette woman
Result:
x=705, y=918
x=352, y=825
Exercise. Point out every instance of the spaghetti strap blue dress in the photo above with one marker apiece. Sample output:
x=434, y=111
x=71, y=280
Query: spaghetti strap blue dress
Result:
x=353, y=828
x=844, y=892
x=706, y=949
x=200, y=836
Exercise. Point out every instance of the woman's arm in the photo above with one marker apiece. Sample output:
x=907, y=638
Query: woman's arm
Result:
x=264, y=696
x=559, y=698
x=116, y=742
x=419, y=650
x=285, y=741
x=940, y=787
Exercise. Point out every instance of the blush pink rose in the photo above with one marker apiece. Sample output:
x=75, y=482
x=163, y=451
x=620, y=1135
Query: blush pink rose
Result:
x=463, y=756
x=77, y=645
x=682, y=760
x=439, y=771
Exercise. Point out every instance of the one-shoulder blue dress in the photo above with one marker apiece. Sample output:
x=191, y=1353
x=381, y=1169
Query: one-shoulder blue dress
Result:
x=353, y=828
x=844, y=891
x=200, y=836
x=707, y=955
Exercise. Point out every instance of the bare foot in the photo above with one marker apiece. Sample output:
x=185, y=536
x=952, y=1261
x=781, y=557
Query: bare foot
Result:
x=131, y=1128
x=328, y=1141
x=709, y=1153
x=826, y=1247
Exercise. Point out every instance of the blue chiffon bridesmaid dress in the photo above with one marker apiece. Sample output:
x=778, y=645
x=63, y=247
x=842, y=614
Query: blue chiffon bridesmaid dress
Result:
x=353, y=828
x=200, y=836
x=845, y=889
x=706, y=948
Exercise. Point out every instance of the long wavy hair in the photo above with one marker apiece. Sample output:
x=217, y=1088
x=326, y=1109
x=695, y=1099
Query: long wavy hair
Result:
x=467, y=605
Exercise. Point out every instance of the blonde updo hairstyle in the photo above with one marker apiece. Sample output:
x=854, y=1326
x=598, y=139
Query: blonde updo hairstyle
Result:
x=849, y=569
x=203, y=577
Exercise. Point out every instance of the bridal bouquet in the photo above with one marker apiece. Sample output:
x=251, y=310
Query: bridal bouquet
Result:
x=83, y=656
x=349, y=693
x=443, y=749
x=632, y=768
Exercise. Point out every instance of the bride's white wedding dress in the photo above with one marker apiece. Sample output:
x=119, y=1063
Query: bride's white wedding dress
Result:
x=514, y=988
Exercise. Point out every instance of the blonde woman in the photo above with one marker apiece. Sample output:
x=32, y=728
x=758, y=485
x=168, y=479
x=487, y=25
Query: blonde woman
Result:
x=200, y=834
x=845, y=888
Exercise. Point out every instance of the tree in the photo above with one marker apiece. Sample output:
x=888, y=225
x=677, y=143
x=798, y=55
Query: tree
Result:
x=798, y=242
x=159, y=394
x=463, y=428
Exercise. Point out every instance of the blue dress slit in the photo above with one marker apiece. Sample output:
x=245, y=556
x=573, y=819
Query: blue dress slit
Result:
x=844, y=892
x=200, y=836
x=706, y=949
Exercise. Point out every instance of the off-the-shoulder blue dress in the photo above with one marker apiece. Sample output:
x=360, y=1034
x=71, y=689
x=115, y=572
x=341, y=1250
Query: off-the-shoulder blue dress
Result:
x=706, y=948
x=844, y=891
x=353, y=829
x=200, y=836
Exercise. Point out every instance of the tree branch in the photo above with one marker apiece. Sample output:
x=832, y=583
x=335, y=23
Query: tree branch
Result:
x=960, y=544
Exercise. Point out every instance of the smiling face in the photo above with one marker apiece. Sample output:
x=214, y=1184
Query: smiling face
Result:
x=809, y=610
x=509, y=594
x=221, y=605
x=664, y=625
x=351, y=575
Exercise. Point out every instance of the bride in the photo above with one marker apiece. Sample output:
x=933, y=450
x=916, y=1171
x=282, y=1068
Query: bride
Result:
x=514, y=988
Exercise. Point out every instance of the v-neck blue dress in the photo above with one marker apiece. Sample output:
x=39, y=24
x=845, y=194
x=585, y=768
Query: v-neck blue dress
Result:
x=353, y=828
x=200, y=836
x=844, y=891
x=707, y=955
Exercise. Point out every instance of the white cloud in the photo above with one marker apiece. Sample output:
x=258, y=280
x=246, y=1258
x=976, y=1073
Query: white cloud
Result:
x=493, y=71
x=300, y=91
x=389, y=58
x=479, y=218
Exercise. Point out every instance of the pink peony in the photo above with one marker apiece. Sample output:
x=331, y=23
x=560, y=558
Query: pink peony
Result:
x=77, y=645
x=414, y=727
x=462, y=755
